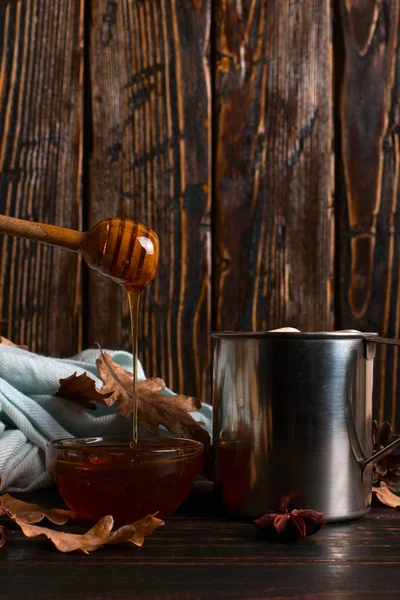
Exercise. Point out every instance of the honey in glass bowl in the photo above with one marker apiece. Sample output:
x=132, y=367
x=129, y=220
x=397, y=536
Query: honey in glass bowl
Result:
x=111, y=476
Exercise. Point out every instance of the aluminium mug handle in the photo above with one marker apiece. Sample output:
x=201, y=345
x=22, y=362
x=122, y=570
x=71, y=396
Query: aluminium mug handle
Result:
x=367, y=464
x=376, y=339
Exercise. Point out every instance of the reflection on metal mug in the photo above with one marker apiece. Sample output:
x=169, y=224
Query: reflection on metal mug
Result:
x=293, y=421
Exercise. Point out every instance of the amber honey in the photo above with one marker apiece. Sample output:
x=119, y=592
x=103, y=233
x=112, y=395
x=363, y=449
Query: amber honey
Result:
x=125, y=478
x=97, y=477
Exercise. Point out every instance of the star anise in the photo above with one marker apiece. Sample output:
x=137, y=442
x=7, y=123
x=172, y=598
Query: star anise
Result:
x=292, y=525
x=388, y=468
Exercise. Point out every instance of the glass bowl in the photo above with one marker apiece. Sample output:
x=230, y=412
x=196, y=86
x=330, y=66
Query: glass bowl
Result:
x=107, y=476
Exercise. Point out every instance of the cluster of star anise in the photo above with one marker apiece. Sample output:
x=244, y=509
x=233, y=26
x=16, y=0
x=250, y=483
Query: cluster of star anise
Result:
x=293, y=524
x=388, y=468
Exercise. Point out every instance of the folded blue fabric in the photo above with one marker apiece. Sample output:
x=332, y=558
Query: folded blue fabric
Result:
x=31, y=416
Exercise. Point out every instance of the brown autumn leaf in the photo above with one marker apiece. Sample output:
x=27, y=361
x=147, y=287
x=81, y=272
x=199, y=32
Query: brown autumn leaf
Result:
x=3, y=536
x=82, y=390
x=161, y=410
x=7, y=342
x=116, y=380
x=99, y=535
x=385, y=496
x=32, y=513
x=154, y=409
x=136, y=532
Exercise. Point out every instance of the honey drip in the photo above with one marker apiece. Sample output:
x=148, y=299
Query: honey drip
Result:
x=134, y=301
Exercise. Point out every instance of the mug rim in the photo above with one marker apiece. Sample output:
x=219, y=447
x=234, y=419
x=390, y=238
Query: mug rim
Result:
x=298, y=335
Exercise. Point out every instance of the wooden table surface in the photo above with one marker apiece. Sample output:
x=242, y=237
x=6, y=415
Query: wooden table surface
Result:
x=198, y=554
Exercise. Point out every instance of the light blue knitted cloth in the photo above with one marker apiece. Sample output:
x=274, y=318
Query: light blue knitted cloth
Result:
x=30, y=414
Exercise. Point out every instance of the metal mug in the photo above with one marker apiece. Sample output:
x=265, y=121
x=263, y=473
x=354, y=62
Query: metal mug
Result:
x=293, y=422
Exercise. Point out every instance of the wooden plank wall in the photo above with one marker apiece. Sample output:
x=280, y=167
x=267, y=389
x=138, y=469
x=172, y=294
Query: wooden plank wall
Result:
x=274, y=166
x=151, y=103
x=41, y=79
x=260, y=140
x=367, y=193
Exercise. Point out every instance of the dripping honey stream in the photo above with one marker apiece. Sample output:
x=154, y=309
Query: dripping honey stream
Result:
x=125, y=477
x=134, y=303
x=124, y=250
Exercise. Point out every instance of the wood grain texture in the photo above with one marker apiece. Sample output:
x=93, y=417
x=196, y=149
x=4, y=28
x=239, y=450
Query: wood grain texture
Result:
x=274, y=165
x=198, y=554
x=369, y=232
x=150, y=91
x=41, y=80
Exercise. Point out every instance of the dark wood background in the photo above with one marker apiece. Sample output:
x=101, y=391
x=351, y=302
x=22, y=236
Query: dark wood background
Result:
x=260, y=139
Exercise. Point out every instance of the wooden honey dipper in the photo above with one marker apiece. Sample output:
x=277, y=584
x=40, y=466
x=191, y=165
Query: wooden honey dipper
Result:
x=121, y=249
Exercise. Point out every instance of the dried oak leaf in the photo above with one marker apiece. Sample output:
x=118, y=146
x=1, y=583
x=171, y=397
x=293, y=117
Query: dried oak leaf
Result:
x=117, y=381
x=99, y=535
x=3, y=536
x=136, y=532
x=24, y=512
x=292, y=525
x=82, y=390
x=153, y=409
x=7, y=342
x=385, y=496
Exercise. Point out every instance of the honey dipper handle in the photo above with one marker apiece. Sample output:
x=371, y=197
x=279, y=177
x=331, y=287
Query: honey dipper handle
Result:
x=41, y=232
